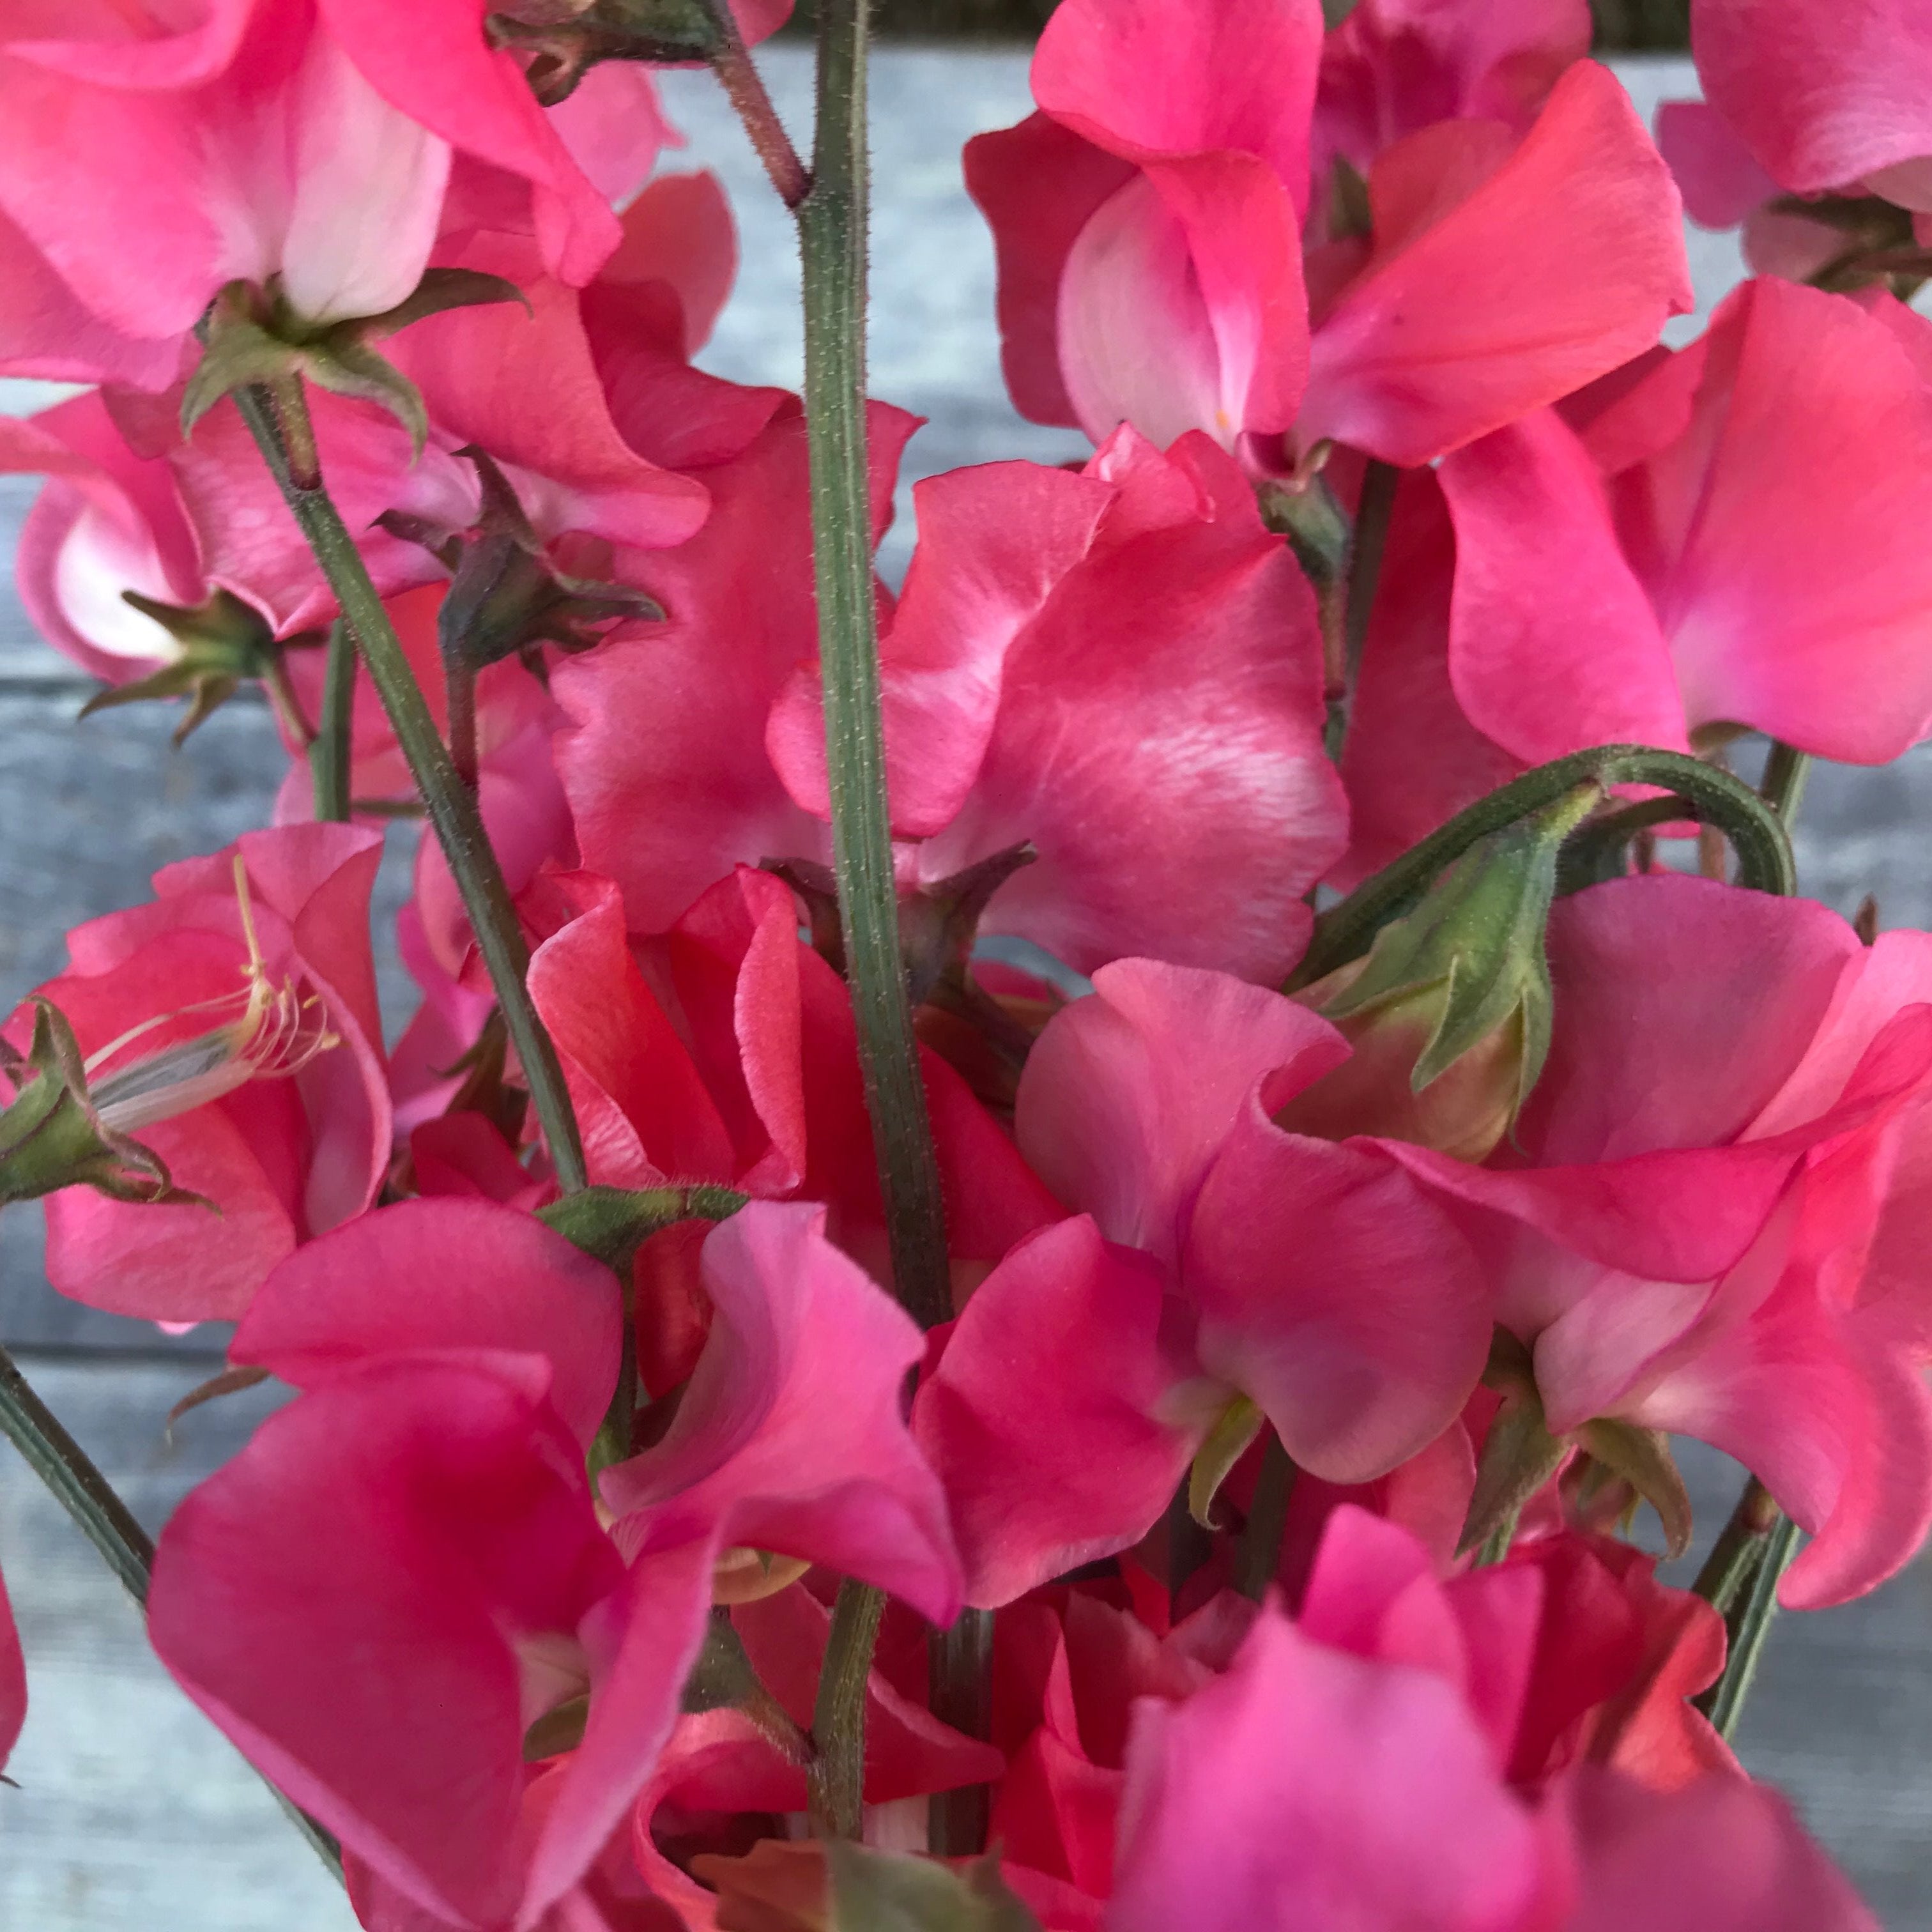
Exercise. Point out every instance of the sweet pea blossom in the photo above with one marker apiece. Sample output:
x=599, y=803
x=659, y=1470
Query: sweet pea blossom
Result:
x=231, y=1024
x=1149, y=222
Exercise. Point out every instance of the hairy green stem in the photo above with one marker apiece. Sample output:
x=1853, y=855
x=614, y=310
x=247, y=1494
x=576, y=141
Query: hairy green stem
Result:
x=1346, y=930
x=452, y=808
x=1747, y=1626
x=106, y=1522
x=328, y=754
x=832, y=221
x=1740, y=1544
x=835, y=1782
x=960, y=1664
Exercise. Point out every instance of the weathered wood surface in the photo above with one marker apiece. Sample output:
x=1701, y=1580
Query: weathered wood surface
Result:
x=133, y=1813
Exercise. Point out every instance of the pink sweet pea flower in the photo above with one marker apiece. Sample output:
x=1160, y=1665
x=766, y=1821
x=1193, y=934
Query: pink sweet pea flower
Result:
x=1343, y=1771
x=1150, y=233
x=756, y=1085
x=1395, y=66
x=1825, y=96
x=107, y=520
x=1308, y=1277
x=1738, y=539
x=231, y=1025
x=1706, y=1224
x=1140, y=606
x=404, y=1569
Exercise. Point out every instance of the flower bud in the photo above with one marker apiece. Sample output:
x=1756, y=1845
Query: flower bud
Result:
x=1449, y=1013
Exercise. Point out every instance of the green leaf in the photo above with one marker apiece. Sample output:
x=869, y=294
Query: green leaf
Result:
x=1642, y=1458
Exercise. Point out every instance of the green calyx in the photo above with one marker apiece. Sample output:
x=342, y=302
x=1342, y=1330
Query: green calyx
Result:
x=251, y=336
x=220, y=644
x=1473, y=948
x=611, y=1223
x=53, y=1136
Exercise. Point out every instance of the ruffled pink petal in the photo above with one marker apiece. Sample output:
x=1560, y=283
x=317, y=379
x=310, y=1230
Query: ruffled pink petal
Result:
x=1308, y=1787
x=789, y=1436
x=419, y=1516
x=1553, y=645
x=1129, y=1095
x=1335, y=1293
x=442, y=1274
x=1043, y=1417
x=1779, y=536
x=1562, y=262
x=1823, y=97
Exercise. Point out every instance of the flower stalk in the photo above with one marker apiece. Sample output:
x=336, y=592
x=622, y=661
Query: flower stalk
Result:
x=451, y=806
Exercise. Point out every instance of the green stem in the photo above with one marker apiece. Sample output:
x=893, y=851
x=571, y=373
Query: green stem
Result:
x=329, y=755
x=1346, y=930
x=1782, y=786
x=960, y=1663
x=1740, y=1545
x=106, y=1522
x=1260, y=1554
x=835, y=1781
x=1748, y=1626
x=1374, y=507
x=832, y=220
x=452, y=808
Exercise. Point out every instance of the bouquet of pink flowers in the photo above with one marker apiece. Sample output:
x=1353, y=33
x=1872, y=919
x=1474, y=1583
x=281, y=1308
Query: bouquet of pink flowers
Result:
x=1038, y=1237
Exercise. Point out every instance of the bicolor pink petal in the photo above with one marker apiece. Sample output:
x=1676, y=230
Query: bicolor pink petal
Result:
x=1364, y=1795
x=1571, y=243
x=1129, y=1095
x=789, y=1436
x=1044, y=1415
x=445, y=1274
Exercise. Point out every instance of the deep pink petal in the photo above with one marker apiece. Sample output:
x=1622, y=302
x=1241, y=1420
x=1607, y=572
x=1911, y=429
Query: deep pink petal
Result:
x=438, y=1274
x=13, y=1680
x=1043, y=1416
x=1553, y=645
x=1129, y=1095
x=1564, y=261
x=1714, y=171
x=1335, y=1293
x=1364, y=1796
x=789, y=1435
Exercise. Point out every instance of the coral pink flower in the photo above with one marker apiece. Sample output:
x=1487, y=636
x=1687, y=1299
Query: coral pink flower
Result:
x=1395, y=66
x=404, y=1569
x=1751, y=556
x=147, y=159
x=231, y=1025
x=1707, y=1221
x=1069, y=650
x=756, y=1085
x=1308, y=1276
x=1150, y=231
x=1342, y=1771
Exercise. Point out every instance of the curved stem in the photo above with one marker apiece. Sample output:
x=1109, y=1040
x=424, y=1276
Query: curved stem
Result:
x=329, y=755
x=1260, y=1554
x=452, y=808
x=959, y=1670
x=1345, y=932
x=106, y=1522
x=1782, y=786
x=835, y=1782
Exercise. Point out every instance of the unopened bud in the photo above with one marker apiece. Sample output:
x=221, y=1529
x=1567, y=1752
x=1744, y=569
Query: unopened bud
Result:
x=1449, y=1014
